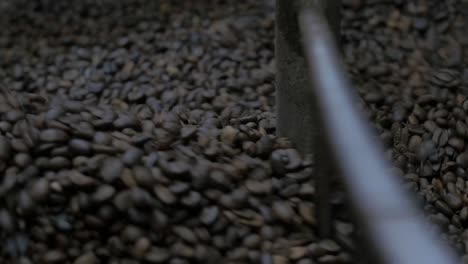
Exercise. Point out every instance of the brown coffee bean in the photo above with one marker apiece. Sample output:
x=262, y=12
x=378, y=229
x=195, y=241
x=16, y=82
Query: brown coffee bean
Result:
x=40, y=189
x=125, y=121
x=111, y=169
x=252, y=241
x=457, y=143
x=86, y=258
x=165, y=195
x=103, y=193
x=259, y=187
x=192, y=199
x=143, y=176
x=132, y=156
x=54, y=256
x=283, y=211
x=53, y=135
x=141, y=247
x=414, y=143
x=182, y=250
x=453, y=200
x=462, y=159
x=5, y=148
x=81, y=180
x=22, y=159
x=80, y=146
x=209, y=215
x=6, y=221
x=102, y=138
x=186, y=234
x=157, y=255
x=58, y=163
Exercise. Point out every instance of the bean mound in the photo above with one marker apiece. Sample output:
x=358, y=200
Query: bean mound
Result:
x=138, y=131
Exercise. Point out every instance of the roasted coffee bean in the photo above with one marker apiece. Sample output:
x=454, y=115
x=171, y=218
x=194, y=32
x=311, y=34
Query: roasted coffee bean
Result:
x=81, y=180
x=5, y=148
x=283, y=211
x=132, y=156
x=53, y=135
x=104, y=193
x=209, y=215
x=157, y=255
x=165, y=195
x=86, y=258
x=462, y=159
x=54, y=256
x=80, y=147
x=111, y=169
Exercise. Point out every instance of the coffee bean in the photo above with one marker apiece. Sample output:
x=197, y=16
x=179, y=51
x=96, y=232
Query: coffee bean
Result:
x=188, y=132
x=22, y=159
x=462, y=159
x=457, y=143
x=307, y=213
x=125, y=121
x=185, y=233
x=267, y=258
x=53, y=135
x=142, y=245
x=209, y=215
x=54, y=256
x=58, y=163
x=122, y=200
x=252, y=241
x=132, y=156
x=111, y=169
x=95, y=87
x=305, y=261
x=160, y=220
x=102, y=138
x=157, y=255
x=414, y=143
x=182, y=250
x=374, y=97
x=40, y=189
x=228, y=134
x=86, y=258
x=259, y=187
x=165, y=195
x=179, y=187
x=6, y=221
x=79, y=146
x=5, y=148
x=81, y=180
x=283, y=211
x=289, y=159
x=207, y=254
x=103, y=193
x=174, y=168
x=453, y=201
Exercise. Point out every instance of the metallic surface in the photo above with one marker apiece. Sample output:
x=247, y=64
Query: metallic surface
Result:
x=295, y=114
x=395, y=230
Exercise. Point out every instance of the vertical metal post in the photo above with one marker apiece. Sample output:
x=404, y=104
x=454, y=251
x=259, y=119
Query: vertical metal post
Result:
x=333, y=15
x=296, y=114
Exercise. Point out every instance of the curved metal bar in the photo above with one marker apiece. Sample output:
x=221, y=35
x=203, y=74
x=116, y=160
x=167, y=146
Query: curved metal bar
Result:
x=393, y=226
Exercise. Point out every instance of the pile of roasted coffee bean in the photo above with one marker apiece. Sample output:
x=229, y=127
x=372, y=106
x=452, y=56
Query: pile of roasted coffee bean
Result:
x=141, y=131
x=408, y=60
